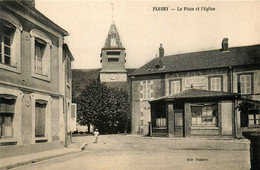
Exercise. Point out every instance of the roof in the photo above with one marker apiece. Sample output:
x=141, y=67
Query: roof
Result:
x=33, y=12
x=66, y=47
x=236, y=56
x=90, y=74
x=196, y=93
x=113, y=39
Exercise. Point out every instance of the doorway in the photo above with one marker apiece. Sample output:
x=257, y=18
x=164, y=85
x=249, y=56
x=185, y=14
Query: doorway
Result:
x=178, y=123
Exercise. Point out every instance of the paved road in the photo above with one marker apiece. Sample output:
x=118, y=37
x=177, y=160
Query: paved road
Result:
x=116, y=152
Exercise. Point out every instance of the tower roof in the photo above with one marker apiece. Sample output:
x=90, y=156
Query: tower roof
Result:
x=113, y=39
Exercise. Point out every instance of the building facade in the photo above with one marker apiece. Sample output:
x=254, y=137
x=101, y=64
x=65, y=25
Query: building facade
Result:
x=197, y=94
x=34, y=88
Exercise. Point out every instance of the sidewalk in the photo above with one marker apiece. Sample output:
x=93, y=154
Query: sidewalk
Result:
x=15, y=161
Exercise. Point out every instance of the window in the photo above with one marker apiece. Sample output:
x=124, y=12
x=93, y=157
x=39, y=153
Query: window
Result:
x=6, y=36
x=113, y=52
x=40, y=51
x=246, y=85
x=204, y=114
x=254, y=118
x=175, y=86
x=73, y=110
x=39, y=54
x=68, y=71
x=160, y=122
x=10, y=42
x=6, y=116
x=146, y=90
x=215, y=83
x=40, y=118
x=142, y=122
x=113, y=59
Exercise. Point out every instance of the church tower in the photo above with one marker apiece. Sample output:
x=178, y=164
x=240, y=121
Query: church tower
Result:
x=113, y=58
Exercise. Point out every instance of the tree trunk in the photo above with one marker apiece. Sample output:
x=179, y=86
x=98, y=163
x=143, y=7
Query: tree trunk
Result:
x=88, y=128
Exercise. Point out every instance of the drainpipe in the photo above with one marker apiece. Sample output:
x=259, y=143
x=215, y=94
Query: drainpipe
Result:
x=230, y=77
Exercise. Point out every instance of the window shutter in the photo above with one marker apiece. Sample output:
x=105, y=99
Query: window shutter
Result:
x=46, y=60
x=151, y=90
x=14, y=39
x=141, y=91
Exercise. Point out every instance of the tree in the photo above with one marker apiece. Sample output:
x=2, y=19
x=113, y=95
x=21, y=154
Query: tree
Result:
x=106, y=108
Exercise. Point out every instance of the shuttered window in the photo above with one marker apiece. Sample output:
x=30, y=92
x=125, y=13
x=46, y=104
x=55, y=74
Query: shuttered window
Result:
x=40, y=118
x=215, y=84
x=146, y=90
x=245, y=84
x=7, y=106
x=175, y=86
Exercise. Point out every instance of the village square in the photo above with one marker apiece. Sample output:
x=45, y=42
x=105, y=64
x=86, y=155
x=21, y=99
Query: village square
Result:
x=170, y=86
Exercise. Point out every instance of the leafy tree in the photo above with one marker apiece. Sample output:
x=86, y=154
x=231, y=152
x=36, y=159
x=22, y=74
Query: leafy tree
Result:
x=104, y=107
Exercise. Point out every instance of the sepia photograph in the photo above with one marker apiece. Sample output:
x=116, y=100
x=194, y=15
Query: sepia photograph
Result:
x=129, y=85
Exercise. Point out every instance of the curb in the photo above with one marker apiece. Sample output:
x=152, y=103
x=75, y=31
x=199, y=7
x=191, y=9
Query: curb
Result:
x=37, y=160
x=182, y=138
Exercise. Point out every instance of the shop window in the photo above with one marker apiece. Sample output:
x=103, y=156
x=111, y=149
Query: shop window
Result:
x=160, y=122
x=146, y=90
x=204, y=114
x=10, y=42
x=175, y=86
x=40, y=118
x=6, y=117
x=246, y=83
x=215, y=83
x=40, y=50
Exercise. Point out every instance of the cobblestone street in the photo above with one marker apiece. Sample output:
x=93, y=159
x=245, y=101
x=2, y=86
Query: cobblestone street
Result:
x=134, y=152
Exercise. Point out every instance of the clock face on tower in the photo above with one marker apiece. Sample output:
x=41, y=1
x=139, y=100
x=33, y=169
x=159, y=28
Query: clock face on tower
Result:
x=112, y=76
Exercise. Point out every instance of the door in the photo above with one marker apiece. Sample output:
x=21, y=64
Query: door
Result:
x=178, y=123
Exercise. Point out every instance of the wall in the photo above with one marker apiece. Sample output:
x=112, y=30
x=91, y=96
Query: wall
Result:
x=226, y=118
x=144, y=106
x=31, y=89
x=24, y=78
x=201, y=78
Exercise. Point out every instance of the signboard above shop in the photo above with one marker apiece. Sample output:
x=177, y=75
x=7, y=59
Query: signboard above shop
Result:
x=195, y=82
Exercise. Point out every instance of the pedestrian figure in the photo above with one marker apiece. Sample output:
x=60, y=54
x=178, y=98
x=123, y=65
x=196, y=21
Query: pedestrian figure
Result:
x=96, y=134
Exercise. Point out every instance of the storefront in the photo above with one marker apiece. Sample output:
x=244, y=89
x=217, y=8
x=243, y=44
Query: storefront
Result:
x=194, y=112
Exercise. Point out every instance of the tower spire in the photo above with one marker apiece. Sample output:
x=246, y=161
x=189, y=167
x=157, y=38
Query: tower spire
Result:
x=112, y=4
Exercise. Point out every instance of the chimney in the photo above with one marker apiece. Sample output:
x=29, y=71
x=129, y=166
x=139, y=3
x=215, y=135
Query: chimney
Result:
x=161, y=51
x=225, y=44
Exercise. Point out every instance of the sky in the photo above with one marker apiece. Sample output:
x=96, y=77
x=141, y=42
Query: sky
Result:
x=143, y=26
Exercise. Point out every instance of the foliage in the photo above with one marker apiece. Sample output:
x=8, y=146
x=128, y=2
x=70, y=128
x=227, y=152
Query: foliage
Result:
x=104, y=107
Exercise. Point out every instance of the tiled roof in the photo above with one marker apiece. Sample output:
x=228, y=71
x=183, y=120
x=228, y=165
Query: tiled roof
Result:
x=236, y=56
x=196, y=93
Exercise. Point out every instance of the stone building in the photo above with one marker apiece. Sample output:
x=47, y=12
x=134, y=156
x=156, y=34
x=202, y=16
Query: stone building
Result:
x=197, y=94
x=35, y=80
